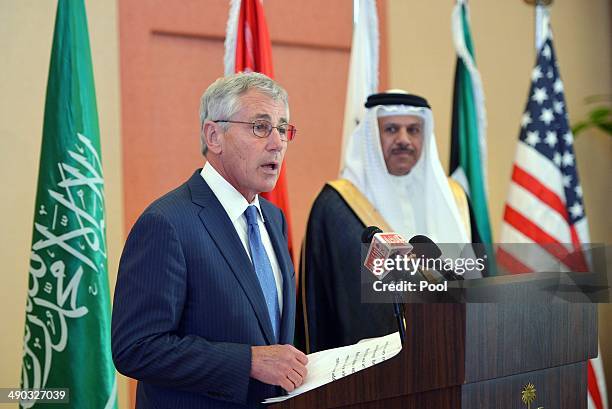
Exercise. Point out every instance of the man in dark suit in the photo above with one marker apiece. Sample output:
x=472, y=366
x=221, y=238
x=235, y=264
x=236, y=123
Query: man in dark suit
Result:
x=204, y=304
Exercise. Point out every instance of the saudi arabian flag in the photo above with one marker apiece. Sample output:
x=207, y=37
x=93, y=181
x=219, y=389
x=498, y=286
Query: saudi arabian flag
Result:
x=67, y=326
x=468, y=145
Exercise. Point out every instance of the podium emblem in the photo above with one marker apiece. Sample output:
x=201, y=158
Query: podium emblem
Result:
x=528, y=395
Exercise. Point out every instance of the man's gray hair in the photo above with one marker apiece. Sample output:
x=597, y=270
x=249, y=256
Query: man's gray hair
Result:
x=221, y=99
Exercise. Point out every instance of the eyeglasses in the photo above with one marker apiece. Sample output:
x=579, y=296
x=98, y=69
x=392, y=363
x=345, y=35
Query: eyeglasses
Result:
x=263, y=128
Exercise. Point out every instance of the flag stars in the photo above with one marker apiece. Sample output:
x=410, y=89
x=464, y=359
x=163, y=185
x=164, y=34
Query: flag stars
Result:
x=567, y=159
x=532, y=138
x=578, y=190
x=536, y=74
x=547, y=116
x=545, y=129
x=567, y=181
x=551, y=138
x=526, y=119
x=539, y=95
x=576, y=210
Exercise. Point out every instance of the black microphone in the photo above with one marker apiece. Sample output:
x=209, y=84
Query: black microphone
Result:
x=424, y=247
x=367, y=237
x=368, y=234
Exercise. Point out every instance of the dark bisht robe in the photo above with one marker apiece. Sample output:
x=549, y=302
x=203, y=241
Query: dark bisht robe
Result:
x=331, y=279
x=330, y=313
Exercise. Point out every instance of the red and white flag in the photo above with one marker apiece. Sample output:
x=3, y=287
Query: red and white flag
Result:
x=248, y=48
x=545, y=206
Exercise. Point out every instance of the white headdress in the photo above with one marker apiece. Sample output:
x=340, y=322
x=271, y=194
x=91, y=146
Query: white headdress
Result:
x=420, y=202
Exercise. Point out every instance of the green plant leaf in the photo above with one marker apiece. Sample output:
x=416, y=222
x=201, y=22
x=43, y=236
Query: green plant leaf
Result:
x=579, y=127
x=598, y=114
x=606, y=127
x=599, y=117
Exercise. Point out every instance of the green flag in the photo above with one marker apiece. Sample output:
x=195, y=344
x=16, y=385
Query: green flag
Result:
x=468, y=139
x=67, y=328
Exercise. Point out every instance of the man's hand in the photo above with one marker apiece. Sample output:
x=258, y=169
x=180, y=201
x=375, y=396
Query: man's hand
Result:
x=281, y=365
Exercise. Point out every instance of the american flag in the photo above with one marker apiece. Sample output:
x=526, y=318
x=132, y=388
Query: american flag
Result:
x=545, y=202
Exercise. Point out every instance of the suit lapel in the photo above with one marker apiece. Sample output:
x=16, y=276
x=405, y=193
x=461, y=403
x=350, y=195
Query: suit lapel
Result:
x=284, y=262
x=220, y=227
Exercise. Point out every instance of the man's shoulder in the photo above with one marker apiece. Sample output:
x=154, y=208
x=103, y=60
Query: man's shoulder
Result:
x=175, y=211
x=175, y=202
x=167, y=203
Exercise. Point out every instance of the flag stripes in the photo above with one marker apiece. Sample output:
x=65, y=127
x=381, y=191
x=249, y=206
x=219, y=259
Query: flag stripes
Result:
x=595, y=373
x=546, y=196
x=522, y=200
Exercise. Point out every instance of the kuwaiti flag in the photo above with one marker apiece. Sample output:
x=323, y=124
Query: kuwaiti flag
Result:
x=545, y=205
x=468, y=158
x=248, y=48
x=363, y=68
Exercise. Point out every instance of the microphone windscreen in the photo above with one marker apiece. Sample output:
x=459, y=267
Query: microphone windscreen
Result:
x=368, y=234
x=424, y=246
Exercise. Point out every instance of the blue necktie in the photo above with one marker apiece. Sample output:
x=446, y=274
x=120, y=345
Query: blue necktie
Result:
x=263, y=268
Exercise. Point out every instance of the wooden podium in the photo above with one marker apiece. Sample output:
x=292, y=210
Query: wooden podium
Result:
x=521, y=354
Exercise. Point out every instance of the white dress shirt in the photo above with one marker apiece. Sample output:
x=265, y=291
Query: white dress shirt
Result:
x=235, y=205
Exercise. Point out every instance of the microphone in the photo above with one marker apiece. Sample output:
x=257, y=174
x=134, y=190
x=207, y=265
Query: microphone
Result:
x=368, y=234
x=382, y=247
x=424, y=247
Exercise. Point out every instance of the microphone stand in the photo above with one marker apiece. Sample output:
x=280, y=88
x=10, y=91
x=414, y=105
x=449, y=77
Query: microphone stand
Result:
x=399, y=315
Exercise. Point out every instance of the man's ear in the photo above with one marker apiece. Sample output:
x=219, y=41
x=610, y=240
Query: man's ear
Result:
x=211, y=134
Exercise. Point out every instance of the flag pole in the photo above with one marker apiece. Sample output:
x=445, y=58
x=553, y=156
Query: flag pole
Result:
x=541, y=18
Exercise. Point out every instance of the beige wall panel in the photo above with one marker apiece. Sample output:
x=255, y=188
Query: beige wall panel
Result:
x=313, y=157
x=26, y=34
x=422, y=60
x=169, y=149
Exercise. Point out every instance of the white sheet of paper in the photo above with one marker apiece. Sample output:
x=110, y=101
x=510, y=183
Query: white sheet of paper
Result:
x=332, y=364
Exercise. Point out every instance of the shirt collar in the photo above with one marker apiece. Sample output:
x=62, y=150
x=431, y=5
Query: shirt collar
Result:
x=232, y=201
